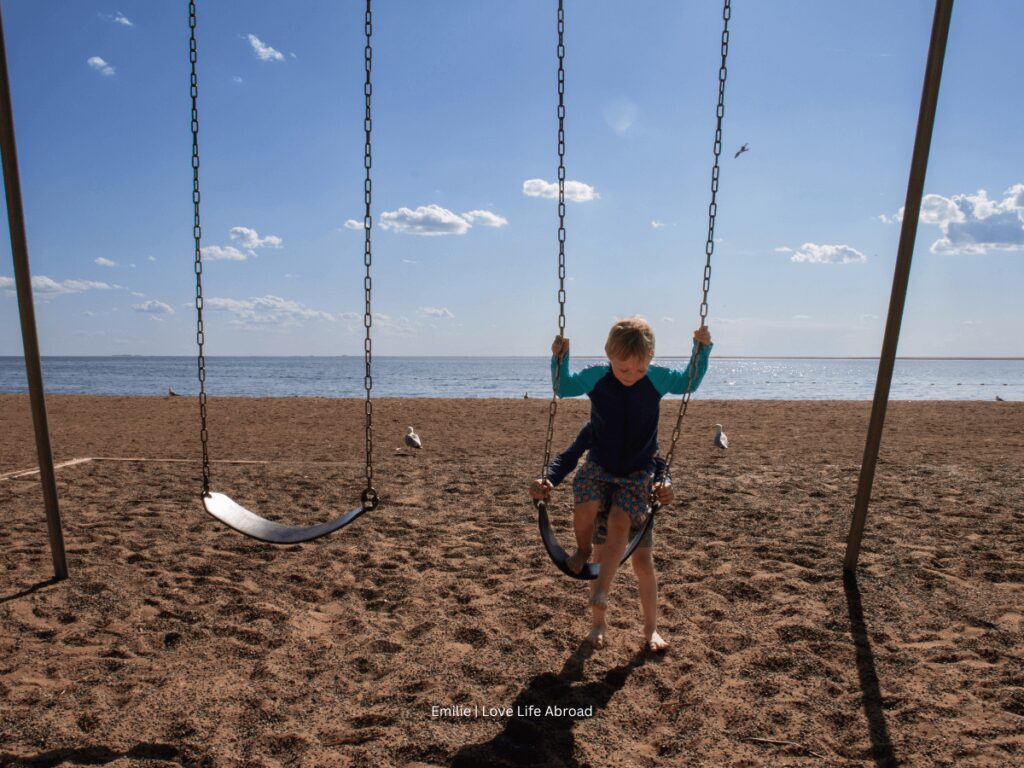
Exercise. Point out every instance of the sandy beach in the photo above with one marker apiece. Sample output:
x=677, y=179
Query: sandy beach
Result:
x=434, y=631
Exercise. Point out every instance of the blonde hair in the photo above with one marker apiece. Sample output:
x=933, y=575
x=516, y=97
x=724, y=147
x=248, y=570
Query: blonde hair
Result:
x=630, y=337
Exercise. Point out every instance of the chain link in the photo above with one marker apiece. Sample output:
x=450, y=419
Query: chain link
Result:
x=197, y=233
x=553, y=407
x=709, y=247
x=370, y=498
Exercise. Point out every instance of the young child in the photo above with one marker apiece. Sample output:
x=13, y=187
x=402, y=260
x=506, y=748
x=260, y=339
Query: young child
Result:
x=642, y=560
x=625, y=396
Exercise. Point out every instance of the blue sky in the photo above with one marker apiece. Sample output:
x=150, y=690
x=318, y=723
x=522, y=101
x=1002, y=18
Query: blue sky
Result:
x=825, y=93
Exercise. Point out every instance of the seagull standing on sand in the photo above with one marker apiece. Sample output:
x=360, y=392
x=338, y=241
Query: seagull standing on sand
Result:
x=412, y=439
x=721, y=441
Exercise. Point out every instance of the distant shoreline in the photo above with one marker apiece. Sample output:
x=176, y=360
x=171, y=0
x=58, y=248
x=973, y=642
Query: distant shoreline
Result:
x=522, y=357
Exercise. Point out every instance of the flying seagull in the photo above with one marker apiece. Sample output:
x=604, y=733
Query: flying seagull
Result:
x=412, y=439
x=721, y=441
x=744, y=148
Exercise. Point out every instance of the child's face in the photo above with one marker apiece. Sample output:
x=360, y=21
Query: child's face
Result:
x=629, y=370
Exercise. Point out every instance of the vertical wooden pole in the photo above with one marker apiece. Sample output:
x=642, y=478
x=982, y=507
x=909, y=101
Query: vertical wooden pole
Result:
x=901, y=275
x=26, y=309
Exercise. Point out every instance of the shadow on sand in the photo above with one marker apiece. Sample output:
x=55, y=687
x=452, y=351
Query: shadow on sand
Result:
x=881, y=745
x=94, y=756
x=534, y=738
x=29, y=590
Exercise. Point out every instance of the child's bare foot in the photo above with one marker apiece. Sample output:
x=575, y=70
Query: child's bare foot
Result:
x=596, y=637
x=578, y=559
x=656, y=643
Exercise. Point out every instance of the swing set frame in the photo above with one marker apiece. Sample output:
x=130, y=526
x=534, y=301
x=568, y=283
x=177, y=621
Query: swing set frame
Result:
x=901, y=276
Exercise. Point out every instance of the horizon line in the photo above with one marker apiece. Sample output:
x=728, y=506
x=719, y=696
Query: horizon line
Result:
x=528, y=357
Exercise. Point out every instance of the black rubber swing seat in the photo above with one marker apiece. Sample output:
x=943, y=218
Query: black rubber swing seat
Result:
x=235, y=516
x=560, y=557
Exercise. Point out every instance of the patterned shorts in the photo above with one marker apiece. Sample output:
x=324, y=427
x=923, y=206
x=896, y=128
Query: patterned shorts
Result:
x=630, y=493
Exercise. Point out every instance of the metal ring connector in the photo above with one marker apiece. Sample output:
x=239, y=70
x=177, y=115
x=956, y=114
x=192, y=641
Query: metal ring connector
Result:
x=370, y=499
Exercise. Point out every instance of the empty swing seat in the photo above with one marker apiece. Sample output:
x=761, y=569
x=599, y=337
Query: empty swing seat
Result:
x=235, y=516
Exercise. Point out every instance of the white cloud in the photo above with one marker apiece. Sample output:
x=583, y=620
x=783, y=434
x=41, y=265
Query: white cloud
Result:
x=46, y=287
x=153, y=307
x=436, y=311
x=75, y=286
x=250, y=239
x=104, y=262
x=265, y=310
x=1015, y=197
x=668, y=320
x=222, y=253
x=783, y=249
x=973, y=224
x=427, y=220
x=151, y=258
x=801, y=317
x=485, y=218
x=401, y=326
x=100, y=65
x=236, y=79
x=810, y=253
x=936, y=209
x=575, y=191
x=349, y=315
x=118, y=18
x=431, y=221
x=138, y=294
x=264, y=52
x=657, y=224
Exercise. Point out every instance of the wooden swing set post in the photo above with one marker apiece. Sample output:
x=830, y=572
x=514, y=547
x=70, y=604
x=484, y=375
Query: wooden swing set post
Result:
x=901, y=275
x=26, y=309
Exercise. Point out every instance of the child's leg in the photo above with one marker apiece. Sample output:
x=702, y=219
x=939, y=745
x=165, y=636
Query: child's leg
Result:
x=599, y=627
x=647, y=583
x=628, y=510
x=597, y=636
x=583, y=524
x=611, y=554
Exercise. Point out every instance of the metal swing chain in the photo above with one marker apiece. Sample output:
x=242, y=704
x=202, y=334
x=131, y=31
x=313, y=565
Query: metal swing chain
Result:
x=709, y=247
x=197, y=232
x=370, y=498
x=553, y=407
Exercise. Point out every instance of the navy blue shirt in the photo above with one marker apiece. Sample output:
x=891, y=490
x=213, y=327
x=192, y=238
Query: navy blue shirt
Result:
x=625, y=419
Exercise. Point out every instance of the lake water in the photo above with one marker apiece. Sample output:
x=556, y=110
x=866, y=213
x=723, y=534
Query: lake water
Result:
x=508, y=377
